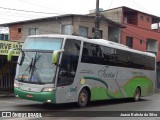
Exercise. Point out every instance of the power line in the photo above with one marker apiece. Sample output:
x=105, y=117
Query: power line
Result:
x=26, y=11
x=19, y=14
x=39, y=5
x=110, y=4
x=136, y=4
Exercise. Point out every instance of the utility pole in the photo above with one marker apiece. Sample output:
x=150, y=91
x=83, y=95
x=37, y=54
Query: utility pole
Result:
x=97, y=21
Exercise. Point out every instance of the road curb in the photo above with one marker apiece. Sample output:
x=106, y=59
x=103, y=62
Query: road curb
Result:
x=6, y=94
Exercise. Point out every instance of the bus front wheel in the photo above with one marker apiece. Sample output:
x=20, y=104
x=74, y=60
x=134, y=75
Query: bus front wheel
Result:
x=83, y=98
x=137, y=94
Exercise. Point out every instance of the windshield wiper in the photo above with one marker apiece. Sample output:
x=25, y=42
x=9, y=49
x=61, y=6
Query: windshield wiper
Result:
x=29, y=66
x=32, y=64
x=24, y=74
x=33, y=68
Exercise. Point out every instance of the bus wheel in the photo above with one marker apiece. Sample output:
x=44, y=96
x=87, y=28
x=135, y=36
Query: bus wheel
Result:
x=83, y=98
x=137, y=94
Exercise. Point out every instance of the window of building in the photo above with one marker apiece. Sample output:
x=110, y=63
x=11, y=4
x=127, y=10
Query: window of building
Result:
x=19, y=30
x=129, y=41
x=3, y=36
x=141, y=17
x=152, y=45
x=131, y=17
x=67, y=29
x=141, y=42
x=100, y=32
x=33, y=31
x=83, y=31
x=148, y=19
x=125, y=19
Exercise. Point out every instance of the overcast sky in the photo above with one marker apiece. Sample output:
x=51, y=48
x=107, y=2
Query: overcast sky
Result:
x=18, y=10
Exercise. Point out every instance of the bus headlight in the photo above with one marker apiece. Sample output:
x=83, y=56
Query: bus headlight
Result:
x=47, y=89
x=16, y=85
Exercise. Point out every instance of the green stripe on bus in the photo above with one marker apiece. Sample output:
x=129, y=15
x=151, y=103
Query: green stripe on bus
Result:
x=100, y=93
x=96, y=79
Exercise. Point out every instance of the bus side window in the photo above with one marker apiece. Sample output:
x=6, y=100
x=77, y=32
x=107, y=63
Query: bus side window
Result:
x=69, y=62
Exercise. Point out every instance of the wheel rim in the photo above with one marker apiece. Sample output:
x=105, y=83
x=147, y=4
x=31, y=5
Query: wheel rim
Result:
x=137, y=95
x=83, y=98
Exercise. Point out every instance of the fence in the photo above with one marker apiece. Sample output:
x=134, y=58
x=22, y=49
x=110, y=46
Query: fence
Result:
x=7, y=73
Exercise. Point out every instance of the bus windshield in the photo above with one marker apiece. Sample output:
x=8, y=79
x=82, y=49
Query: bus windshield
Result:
x=43, y=43
x=36, y=66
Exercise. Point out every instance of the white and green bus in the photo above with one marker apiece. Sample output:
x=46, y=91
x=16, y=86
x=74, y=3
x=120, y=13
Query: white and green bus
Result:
x=64, y=68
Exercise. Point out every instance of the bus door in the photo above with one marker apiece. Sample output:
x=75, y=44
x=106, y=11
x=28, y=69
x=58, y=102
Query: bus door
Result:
x=67, y=71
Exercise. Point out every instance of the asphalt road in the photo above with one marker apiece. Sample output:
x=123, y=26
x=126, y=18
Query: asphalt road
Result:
x=94, y=111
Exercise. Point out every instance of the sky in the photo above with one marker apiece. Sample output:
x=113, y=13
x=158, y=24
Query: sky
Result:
x=19, y=10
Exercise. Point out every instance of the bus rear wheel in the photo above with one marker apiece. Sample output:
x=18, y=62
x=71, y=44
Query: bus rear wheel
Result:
x=137, y=94
x=83, y=98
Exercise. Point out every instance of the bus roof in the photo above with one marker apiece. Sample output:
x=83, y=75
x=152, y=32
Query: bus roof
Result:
x=102, y=42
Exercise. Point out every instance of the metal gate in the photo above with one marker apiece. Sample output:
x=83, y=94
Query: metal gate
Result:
x=7, y=72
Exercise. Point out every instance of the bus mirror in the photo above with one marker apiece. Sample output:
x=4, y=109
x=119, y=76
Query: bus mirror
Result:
x=9, y=56
x=55, y=57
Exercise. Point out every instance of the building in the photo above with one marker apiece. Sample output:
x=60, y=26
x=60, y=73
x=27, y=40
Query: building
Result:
x=7, y=69
x=81, y=25
x=142, y=31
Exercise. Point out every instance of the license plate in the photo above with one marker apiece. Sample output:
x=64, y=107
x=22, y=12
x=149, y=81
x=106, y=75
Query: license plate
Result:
x=29, y=95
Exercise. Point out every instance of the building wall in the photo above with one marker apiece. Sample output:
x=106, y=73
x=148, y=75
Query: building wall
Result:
x=139, y=34
x=114, y=14
x=44, y=27
x=89, y=23
x=104, y=28
x=54, y=26
x=114, y=34
x=144, y=21
x=15, y=32
x=84, y=22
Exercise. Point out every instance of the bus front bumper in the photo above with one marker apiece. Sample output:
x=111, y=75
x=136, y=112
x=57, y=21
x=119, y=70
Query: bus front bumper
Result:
x=45, y=97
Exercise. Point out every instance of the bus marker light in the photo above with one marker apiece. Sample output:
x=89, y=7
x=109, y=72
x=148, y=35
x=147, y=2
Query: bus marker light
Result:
x=82, y=81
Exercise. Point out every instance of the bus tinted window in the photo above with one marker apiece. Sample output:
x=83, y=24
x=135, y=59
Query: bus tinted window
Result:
x=134, y=60
x=69, y=62
x=91, y=54
x=97, y=54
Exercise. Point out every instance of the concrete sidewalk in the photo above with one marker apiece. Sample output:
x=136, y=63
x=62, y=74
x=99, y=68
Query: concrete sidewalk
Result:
x=156, y=90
